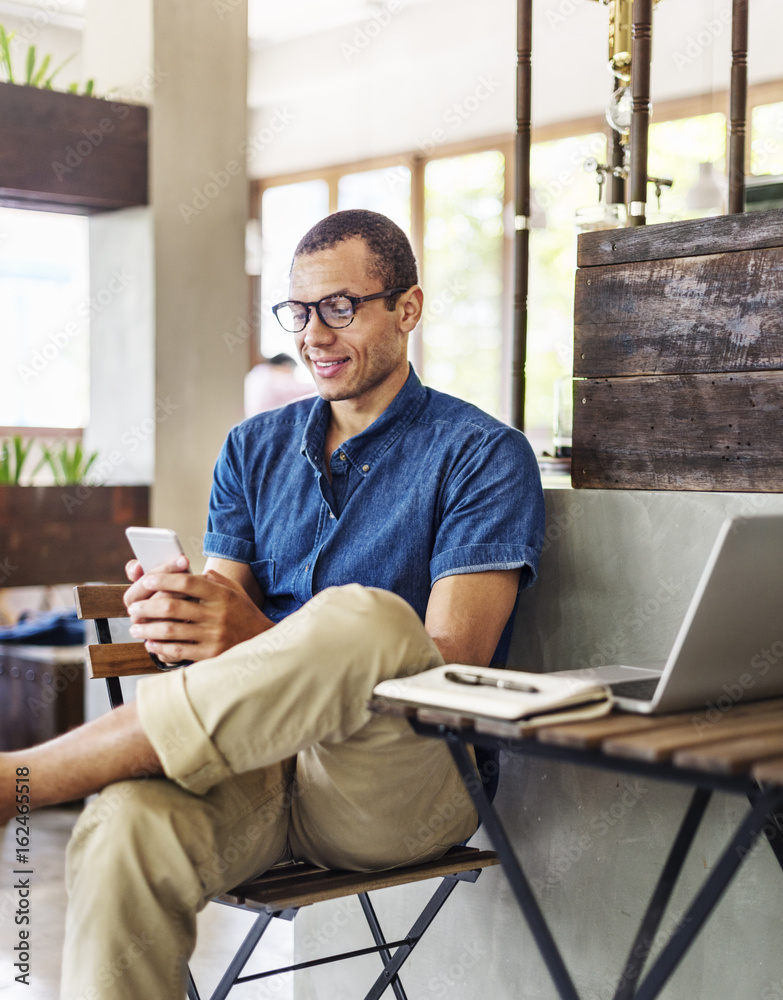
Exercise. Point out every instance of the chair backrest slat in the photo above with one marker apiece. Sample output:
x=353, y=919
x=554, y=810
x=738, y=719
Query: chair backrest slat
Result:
x=120, y=659
x=104, y=601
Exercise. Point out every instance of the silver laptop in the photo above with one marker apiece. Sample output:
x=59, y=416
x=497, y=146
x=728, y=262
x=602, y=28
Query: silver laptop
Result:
x=729, y=649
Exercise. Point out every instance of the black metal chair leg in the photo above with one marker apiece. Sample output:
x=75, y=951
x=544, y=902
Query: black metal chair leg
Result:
x=193, y=993
x=378, y=937
x=425, y=918
x=239, y=960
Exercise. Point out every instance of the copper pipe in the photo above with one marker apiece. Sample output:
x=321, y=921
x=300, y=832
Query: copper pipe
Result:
x=738, y=97
x=521, y=209
x=641, y=57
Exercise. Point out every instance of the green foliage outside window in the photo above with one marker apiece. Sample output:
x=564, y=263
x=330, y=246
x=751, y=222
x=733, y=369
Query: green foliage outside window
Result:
x=463, y=276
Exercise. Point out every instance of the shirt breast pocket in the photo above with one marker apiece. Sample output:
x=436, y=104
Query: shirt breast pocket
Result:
x=264, y=572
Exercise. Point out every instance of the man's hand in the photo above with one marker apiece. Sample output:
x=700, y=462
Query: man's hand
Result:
x=134, y=572
x=185, y=617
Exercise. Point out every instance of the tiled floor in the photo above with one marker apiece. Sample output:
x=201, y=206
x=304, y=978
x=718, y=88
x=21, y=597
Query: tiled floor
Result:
x=220, y=928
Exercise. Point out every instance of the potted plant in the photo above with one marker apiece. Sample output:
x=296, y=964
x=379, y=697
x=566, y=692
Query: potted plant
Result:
x=67, y=532
x=70, y=149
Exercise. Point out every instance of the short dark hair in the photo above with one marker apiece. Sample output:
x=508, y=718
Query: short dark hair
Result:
x=281, y=361
x=392, y=260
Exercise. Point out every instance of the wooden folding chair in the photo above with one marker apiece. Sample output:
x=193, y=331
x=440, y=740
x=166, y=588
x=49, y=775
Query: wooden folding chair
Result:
x=283, y=890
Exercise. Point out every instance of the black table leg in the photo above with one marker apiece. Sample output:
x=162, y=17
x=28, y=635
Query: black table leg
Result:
x=772, y=830
x=662, y=894
x=690, y=925
x=516, y=877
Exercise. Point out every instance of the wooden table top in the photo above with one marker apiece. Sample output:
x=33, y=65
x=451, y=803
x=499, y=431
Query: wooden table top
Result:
x=744, y=739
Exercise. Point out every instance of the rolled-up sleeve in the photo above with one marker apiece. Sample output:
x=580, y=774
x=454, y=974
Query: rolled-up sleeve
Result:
x=230, y=530
x=493, y=510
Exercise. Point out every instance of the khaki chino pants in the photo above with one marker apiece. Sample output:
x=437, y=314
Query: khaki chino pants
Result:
x=270, y=754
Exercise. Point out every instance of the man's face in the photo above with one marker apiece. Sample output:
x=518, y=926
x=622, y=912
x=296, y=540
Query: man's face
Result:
x=361, y=361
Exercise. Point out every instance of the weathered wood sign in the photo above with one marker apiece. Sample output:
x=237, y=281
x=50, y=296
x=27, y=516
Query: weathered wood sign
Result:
x=678, y=356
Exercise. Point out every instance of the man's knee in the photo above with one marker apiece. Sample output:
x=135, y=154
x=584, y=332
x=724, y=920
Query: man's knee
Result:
x=133, y=830
x=367, y=612
x=372, y=623
x=105, y=819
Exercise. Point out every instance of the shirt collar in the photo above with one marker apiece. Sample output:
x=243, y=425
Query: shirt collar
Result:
x=365, y=449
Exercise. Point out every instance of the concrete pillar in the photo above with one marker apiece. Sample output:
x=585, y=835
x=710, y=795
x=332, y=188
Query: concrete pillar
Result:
x=169, y=352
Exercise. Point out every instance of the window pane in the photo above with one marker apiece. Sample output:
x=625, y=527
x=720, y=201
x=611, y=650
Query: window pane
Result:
x=463, y=277
x=387, y=191
x=676, y=148
x=45, y=307
x=561, y=187
x=287, y=212
x=766, y=132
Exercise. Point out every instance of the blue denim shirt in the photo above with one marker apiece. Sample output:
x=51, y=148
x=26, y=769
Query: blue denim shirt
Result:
x=434, y=487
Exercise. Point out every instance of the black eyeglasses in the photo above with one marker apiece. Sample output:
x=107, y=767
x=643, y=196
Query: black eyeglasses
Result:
x=335, y=311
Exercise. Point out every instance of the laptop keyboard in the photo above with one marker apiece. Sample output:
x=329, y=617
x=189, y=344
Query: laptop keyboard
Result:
x=642, y=689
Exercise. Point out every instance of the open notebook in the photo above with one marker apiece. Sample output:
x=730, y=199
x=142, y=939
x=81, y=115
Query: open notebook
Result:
x=490, y=693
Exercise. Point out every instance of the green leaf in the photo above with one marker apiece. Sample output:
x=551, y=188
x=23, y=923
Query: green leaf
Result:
x=30, y=67
x=41, y=71
x=13, y=455
x=88, y=464
x=5, y=53
x=50, y=460
x=5, y=465
x=89, y=87
x=41, y=463
x=48, y=81
x=22, y=450
x=69, y=468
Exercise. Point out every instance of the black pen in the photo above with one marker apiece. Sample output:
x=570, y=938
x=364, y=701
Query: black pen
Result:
x=496, y=682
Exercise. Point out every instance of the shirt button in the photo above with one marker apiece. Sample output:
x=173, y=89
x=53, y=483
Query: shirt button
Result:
x=307, y=566
x=343, y=456
x=331, y=515
x=365, y=468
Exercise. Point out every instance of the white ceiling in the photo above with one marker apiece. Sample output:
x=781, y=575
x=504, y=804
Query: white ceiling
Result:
x=270, y=21
x=69, y=13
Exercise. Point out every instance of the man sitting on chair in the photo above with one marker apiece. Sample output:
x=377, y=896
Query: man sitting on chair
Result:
x=375, y=530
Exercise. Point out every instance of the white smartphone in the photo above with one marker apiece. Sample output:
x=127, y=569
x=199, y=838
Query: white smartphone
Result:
x=154, y=546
